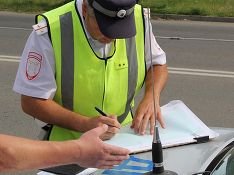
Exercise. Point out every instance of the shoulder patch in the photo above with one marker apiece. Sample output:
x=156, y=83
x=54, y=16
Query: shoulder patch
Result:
x=33, y=66
x=40, y=28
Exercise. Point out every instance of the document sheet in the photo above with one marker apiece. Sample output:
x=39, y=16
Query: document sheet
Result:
x=182, y=127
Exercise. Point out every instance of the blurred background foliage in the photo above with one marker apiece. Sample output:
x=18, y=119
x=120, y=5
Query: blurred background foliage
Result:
x=222, y=8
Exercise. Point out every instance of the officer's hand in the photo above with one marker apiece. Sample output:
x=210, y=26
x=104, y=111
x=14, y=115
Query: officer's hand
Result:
x=145, y=115
x=95, y=153
x=111, y=121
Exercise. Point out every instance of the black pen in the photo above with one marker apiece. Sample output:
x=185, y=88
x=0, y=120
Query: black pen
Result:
x=103, y=114
x=100, y=111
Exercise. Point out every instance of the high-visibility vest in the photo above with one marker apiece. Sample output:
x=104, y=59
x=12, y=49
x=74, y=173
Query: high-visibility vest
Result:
x=85, y=80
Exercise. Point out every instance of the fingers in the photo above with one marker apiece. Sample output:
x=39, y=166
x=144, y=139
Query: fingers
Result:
x=113, y=126
x=108, y=164
x=144, y=124
x=111, y=162
x=99, y=130
x=114, y=150
x=110, y=121
x=115, y=159
x=152, y=124
x=137, y=122
x=151, y=120
x=107, y=136
x=112, y=156
x=140, y=122
x=112, y=130
x=160, y=120
x=145, y=115
x=109, y=133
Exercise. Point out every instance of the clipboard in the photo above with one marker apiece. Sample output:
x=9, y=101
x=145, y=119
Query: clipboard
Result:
x=182, y=127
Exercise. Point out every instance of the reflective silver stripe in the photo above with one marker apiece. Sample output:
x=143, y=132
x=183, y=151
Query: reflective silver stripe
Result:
x=67, y=62
x=107, y=12
x=132, y=75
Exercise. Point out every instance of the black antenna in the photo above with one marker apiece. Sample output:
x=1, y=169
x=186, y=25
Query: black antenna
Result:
x=157, y=153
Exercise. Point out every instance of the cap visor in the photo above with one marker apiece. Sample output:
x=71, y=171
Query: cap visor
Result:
x=116, y=28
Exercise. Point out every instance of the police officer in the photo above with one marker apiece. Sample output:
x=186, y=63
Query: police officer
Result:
x=91, y=53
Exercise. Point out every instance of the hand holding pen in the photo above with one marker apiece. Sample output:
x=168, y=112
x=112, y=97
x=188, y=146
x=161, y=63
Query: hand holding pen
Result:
x=111, y=121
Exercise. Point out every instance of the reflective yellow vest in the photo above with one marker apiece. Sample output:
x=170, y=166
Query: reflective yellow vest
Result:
x=83, y=79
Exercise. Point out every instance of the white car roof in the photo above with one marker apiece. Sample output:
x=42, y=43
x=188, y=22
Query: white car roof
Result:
x=193, y=158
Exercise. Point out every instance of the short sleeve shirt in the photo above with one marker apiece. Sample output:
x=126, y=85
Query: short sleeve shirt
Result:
x=36, y=72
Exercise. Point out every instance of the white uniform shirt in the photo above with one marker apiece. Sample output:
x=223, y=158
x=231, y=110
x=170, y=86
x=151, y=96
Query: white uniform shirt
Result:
x=35, y=76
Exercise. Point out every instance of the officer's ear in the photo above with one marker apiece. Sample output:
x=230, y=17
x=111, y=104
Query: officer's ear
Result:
x=84, y=8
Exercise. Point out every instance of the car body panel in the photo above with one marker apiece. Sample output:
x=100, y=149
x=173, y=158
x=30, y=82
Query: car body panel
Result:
x=193, y=158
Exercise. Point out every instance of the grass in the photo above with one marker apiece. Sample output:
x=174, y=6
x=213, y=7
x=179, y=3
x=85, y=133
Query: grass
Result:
x=30, y=5
x=221, y=8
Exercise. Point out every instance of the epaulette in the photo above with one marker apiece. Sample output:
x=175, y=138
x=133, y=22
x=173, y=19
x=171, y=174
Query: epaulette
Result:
x=40, y=28
x=146, y=12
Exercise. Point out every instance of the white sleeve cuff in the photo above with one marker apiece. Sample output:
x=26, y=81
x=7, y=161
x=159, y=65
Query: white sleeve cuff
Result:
x=37, y=94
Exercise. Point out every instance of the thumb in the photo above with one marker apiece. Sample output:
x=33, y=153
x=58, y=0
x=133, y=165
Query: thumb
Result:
x=99, y=130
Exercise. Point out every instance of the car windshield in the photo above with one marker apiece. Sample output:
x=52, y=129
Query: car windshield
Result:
x=226, y=165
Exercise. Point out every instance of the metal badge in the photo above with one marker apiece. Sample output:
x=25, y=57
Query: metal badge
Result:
x=122, y=13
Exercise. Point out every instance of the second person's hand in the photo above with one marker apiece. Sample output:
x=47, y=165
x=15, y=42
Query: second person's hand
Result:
x=97, y=154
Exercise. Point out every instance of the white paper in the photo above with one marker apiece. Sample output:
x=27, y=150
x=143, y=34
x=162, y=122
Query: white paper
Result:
x=182, y=126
